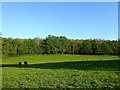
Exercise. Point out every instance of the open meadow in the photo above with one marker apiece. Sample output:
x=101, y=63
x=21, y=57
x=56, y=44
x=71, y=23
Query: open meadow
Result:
x=59, y=44
x=61, y=71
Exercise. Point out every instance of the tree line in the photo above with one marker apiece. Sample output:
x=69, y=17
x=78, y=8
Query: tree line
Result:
x=58, y=45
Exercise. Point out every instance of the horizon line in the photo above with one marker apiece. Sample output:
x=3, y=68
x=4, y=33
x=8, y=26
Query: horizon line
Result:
x=63, y=36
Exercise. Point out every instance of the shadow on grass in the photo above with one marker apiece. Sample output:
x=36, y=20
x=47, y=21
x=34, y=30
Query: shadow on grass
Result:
x=111, y=65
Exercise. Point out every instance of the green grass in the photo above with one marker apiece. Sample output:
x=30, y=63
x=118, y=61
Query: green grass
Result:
x=56, y=58
x=61, y=71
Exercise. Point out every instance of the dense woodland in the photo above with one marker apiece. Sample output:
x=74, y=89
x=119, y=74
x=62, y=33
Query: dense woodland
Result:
x=58, y=45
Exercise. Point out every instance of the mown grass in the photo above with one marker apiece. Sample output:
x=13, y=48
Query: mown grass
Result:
x=56, y=58
x=61, y=71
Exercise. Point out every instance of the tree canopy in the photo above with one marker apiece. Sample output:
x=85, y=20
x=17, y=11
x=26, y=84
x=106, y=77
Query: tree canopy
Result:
x=58, y=45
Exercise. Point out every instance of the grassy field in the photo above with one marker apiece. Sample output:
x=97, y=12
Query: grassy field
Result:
x=61, y=71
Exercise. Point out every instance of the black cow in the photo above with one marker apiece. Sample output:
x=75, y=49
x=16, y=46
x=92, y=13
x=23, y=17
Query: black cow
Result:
x=25, y=63
x=19, y=63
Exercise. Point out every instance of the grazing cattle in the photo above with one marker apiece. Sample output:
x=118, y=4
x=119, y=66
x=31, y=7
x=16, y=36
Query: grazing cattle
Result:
x=19, y=63
x=25, y=62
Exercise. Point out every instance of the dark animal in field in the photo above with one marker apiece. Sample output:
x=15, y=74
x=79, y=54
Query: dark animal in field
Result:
x=25, y=63
x=19, y=63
